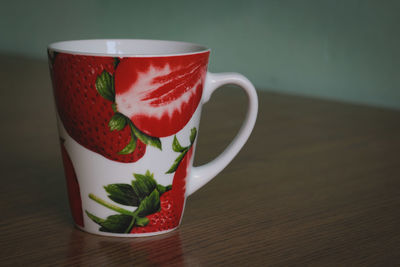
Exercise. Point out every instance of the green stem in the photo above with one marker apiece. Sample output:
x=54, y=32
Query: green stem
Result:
x=130, y=225
x=109, y=205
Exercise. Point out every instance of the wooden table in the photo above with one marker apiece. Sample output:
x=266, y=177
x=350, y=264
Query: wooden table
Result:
x=318, y=183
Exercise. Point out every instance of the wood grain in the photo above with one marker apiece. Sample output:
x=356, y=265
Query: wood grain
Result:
x=318, y=184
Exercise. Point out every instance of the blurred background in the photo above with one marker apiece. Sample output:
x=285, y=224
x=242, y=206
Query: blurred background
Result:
x=344, y=50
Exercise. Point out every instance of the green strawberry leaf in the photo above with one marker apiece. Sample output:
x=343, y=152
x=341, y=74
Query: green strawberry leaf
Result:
x=119, y=223
x=149, y=205
x=177, y=161
x=117, y=122
x=193, y=134
x=114, y=107
x=104, y=86
x=122, y=194
x=141, y=221
x=176, y=146
x=129, y=147
x=143, y=185
x=94, y=218
x=146, y=139
x=162, y=189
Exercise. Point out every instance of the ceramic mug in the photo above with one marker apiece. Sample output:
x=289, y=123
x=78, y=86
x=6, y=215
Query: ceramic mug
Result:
x=128, y=115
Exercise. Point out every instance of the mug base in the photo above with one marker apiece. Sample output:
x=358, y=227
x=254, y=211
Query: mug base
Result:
x=124, y=235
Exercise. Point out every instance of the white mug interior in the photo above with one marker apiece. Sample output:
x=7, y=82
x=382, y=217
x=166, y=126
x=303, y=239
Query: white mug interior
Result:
x=127, y=47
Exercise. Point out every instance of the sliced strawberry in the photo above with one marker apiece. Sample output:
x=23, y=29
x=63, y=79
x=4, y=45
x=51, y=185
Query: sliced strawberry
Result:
x=74, y=194
x=85, y=113
x=161, y=94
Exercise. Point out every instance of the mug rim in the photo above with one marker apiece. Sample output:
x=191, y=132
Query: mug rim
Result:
x=127, y=47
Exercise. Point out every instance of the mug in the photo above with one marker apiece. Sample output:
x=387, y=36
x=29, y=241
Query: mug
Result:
x=128, y=114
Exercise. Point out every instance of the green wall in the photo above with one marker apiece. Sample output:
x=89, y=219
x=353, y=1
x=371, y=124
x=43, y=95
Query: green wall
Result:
x=345, y=50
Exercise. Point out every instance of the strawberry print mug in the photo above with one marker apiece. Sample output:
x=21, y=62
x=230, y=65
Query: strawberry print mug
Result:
x=128, y=115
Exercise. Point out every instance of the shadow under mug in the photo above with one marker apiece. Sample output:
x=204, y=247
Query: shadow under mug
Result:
x=128, y=115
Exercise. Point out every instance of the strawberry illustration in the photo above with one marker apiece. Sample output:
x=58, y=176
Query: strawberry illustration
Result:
x=158, y=207
x=159, y=95
x=173, y=201
x=167, y=218
x=85, y=97
x=74, y=194
x=143, y=193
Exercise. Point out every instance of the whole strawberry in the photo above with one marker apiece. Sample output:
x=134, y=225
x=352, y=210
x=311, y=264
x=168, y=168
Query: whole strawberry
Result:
x=85, y=98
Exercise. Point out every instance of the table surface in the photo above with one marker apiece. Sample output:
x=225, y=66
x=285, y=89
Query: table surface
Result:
x=318, y=183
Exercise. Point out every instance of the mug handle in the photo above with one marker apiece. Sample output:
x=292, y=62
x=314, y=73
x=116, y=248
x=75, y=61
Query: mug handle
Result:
x=201, y=175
